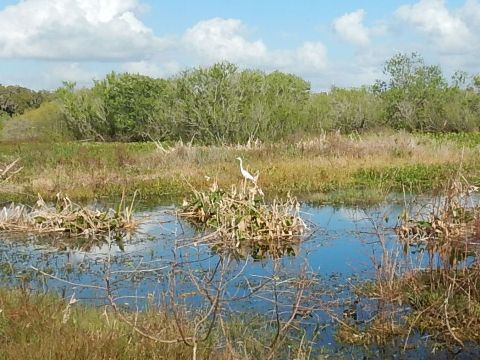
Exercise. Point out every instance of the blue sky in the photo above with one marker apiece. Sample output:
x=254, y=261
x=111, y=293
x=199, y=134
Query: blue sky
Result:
x=344, y=43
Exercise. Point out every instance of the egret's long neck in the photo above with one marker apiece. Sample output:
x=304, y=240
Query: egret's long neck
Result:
x=241, y=164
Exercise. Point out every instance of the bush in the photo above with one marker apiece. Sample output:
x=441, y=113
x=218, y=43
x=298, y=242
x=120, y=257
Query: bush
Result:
x=222, y=104
x=346, y=110
x=130, y=104
x=218, y=104
x=208, y=105
x=83, y=112
x=120, y=107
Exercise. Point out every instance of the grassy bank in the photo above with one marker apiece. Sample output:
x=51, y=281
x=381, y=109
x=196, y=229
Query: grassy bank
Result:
x=43, y=326
x=331, y=168
x=31, y=326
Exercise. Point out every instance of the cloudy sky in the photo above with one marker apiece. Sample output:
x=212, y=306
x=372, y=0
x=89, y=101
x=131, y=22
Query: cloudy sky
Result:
x=345, y=43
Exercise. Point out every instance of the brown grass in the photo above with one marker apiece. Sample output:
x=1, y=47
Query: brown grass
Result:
x=9, y=170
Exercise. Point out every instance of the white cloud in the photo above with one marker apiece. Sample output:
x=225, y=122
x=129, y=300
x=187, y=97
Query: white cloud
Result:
x=75, y=30
x=68, y=38
x=470, y=13
x=220, y=39
x=71, y=72
x=312, y=56
x=43, y=42
x=448, y=29
x=151, y=68
x=350, y=28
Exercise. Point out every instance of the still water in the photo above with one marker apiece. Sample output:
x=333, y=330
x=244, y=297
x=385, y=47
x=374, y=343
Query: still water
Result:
x=340, y=242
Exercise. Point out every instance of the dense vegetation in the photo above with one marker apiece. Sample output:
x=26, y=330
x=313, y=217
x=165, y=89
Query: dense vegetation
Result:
x=224, y=104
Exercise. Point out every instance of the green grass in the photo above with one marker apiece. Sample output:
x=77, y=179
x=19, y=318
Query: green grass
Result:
x=467, y=139
x=416, y=177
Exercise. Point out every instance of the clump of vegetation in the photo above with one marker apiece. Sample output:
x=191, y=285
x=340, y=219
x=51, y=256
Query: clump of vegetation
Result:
x=66, y=217
x=223, y=104
x=215, y=105
x=450, y=228
x=445, y=297
x=243, y=223
x=380, y=331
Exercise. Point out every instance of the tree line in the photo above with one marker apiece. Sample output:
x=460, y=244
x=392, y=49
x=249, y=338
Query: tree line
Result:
x=225, y=104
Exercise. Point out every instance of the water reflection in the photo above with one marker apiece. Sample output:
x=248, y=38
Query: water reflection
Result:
x=341, y=243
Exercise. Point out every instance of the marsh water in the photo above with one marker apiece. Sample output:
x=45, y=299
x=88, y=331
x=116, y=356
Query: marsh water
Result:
x=341, y=248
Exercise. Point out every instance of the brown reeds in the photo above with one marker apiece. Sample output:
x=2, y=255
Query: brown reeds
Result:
x=66, y=217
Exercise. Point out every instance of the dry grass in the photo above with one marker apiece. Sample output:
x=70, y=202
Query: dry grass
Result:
x=450, y=228
x=42, y=326
x=9, y=170
x=45, y=327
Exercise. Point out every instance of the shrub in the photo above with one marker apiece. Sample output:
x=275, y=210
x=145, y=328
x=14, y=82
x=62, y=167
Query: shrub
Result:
x=120, y=107
x=222, y=104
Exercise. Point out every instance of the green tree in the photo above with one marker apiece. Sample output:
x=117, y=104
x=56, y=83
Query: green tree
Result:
x=414, y=93
x=131, y=104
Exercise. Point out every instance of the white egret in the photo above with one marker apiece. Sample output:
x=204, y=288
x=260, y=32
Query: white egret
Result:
x=245, y=173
